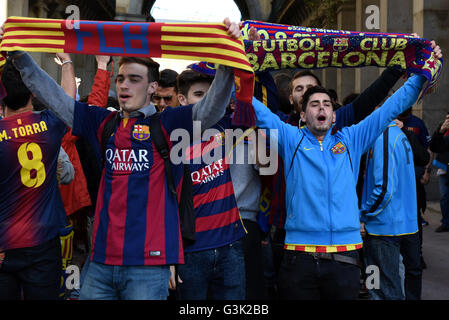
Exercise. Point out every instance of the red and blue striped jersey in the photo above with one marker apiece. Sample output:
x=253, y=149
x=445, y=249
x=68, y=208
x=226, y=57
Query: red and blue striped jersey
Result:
x=217, y=218
x=136, y=217
x=31, y=209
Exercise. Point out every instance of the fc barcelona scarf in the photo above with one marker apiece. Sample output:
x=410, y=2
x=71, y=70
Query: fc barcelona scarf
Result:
x=282, y=47
x=188, y=41
x=285, y=47
x=292, y=47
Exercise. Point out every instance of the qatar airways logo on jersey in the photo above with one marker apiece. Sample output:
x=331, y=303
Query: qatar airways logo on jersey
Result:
x=209, y=172
x=128, y=160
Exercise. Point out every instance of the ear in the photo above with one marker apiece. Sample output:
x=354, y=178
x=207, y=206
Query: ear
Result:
x=152, y=88
x=303, y=116
x=182, y=99
x=334, y=117
x=290, y=98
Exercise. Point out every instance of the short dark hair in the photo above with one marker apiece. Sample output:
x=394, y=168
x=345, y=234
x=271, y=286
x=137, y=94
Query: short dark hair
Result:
x=189, y=77
x=17, y=94
x=313, y=90
x=303, y=73
x=167, y=78
x=153, y=66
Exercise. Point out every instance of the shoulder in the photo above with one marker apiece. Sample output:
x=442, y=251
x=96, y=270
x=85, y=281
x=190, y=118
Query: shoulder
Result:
x=176, y=114
x=49, y=117
x=416, y=120
x=395, y=132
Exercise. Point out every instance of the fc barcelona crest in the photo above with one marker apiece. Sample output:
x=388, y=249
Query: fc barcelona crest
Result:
x=339, y=148
x=341, y=44
x=141, y=132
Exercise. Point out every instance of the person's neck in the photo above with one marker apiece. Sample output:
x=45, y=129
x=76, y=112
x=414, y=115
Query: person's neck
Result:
x=127, y=114
x=11, y=112
x=319, y=135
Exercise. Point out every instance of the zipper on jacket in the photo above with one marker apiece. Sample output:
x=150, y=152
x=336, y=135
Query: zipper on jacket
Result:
x=328, y=195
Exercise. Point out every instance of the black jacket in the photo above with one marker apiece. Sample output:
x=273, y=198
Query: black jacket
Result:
x=420, y=155
x=440, y=145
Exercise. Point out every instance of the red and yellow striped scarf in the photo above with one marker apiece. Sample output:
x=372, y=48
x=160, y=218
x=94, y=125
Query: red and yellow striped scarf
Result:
x=188, y=41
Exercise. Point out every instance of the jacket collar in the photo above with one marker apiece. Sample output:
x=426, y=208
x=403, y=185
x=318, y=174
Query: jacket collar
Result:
x=146, y=112
x=313, y=139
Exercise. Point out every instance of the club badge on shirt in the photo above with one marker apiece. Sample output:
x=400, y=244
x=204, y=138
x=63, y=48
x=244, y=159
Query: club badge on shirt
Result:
x=339, y=148
x=141, y=132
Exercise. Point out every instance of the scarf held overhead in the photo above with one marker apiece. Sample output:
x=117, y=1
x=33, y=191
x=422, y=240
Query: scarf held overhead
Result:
x=291, y=47
x=187, y=41
x=281, y=47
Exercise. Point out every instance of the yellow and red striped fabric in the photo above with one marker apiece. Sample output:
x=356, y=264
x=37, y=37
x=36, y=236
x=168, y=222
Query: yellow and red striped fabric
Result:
x=188, y=41
x=36, y=35
x=323, y=249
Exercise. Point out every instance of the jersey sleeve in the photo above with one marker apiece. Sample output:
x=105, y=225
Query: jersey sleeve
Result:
x=100, y=89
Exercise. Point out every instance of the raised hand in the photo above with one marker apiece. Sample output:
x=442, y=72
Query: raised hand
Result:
x=253, y=35
x=436, y=48
x=233, y=28
x=62, y=57
x=102, y=61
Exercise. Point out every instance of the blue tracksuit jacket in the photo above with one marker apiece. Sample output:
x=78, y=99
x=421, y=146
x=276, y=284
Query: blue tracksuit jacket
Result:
x=389, y=191
x=321, y=199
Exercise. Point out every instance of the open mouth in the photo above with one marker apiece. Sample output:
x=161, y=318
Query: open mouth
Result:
x=321, y=118
x=124, y=97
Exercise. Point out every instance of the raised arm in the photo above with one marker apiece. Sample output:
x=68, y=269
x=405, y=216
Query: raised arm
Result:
x=44, y=87
x=68, y=82
x=368, y=100
x=213, y=106
x=366, y=132
x=266, y=119
x=277, y=129
x=372, y=96
x=102, y=82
